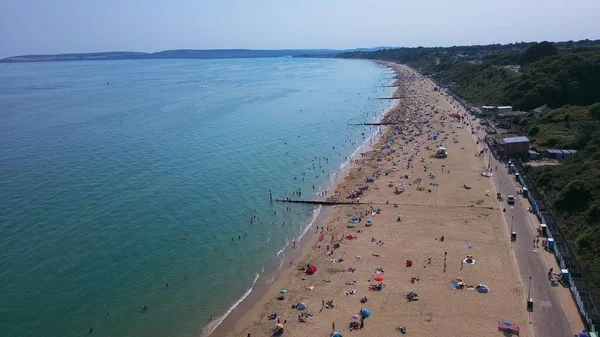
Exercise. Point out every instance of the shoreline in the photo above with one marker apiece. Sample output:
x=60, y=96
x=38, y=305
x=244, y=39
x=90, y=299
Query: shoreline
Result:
x=238, y=312
x=469, y=230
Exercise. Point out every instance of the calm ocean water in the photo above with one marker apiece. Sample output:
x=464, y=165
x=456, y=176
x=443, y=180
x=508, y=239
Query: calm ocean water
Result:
x=106, y=166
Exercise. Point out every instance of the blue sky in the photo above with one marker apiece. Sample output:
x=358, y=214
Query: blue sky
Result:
x=65, y=26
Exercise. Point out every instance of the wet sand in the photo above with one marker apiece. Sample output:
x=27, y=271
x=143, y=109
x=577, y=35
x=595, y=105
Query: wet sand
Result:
x=433, y=204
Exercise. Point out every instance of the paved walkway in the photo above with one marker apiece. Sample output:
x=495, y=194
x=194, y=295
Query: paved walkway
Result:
x=555, y=312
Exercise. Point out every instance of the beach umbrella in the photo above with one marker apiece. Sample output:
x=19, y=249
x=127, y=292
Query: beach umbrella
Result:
x=279, y=326
x=369, y=221
x=301, y=306
x=378, y=278
x=336, y=334
x=282, y=291
x=365, y=312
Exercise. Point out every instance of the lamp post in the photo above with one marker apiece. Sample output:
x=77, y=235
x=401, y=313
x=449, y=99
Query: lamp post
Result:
x=529, y=299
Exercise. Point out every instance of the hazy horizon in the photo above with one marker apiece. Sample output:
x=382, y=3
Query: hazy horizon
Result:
x=71, y=26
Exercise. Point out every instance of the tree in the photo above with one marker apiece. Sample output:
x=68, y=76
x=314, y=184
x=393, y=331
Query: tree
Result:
x=576, y=194
x=537, y=52
x=534, y=131
x=595, y=111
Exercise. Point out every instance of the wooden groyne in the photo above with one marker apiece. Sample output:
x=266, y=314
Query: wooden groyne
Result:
x=377, y=124
x=317, y=202
x=357, y=202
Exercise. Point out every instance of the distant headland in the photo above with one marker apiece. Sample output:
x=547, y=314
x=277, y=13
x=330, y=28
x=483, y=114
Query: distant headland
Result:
x=184, y=54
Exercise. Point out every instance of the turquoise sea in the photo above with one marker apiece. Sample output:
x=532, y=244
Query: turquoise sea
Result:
x=118, y=177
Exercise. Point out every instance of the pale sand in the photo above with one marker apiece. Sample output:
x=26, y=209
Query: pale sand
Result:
x=426, y=216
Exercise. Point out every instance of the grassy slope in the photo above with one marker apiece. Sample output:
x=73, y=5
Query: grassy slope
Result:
x=480, y=84
x=559, y=128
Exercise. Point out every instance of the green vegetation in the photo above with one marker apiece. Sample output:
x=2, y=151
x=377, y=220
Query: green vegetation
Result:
x=571, y=77
x=537, y=52
x=480, y=84
x=561, y=128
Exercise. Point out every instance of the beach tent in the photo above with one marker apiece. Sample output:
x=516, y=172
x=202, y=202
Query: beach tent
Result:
x=311, y=270
x=378, y=278
x=365, y=312
x=482, y=289
x=409, y=263
x=336, y=334
x=300, y=306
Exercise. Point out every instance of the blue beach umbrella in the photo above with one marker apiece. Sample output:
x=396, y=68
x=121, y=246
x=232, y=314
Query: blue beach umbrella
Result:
x=365, y=312
x=336, y=334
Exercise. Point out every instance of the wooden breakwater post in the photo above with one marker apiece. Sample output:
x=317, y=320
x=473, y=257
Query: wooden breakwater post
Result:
x=270, y=196
x=377, y=124
x=318, y=202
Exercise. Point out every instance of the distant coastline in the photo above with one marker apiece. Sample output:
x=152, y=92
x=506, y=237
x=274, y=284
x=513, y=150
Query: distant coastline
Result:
x=184, y=54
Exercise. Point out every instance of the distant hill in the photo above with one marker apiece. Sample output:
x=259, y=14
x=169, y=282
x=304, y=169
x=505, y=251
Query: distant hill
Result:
x=186, y=54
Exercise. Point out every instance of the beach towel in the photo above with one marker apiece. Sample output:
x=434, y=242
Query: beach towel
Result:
x=507, y=326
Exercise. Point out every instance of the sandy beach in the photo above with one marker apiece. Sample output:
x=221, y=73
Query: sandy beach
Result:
x=434, y=212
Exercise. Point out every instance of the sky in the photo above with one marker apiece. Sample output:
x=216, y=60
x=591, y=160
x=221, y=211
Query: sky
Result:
x=69, y=26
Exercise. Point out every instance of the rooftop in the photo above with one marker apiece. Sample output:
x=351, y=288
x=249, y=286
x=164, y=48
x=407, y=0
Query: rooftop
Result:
x=521, y=139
